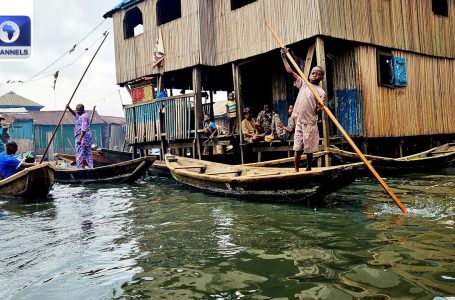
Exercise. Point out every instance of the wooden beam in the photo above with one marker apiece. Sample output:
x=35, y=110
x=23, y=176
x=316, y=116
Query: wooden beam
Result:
x=238, y=98
x=309, y=60
x=197, y=90
x=320, y=60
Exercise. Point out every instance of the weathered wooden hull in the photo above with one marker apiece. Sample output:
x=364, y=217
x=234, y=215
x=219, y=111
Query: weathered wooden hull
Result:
x=32, y=183
x=263, y=184
x=103, y=157
x=115, y=156
x=124, y=172
x=159, y=169
x=433, y=159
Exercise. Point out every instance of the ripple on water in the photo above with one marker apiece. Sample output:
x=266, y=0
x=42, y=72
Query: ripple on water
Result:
x=161, y=240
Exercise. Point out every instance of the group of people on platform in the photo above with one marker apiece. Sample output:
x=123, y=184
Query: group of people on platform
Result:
x=10, y=164
x=302, y=125
x=267, y=126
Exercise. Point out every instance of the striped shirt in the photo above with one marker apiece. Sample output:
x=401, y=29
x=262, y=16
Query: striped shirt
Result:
x=231, y=109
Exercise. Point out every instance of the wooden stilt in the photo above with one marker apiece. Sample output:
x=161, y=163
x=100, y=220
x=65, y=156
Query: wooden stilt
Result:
x=211, y=103
x=238, y=97
x=197, y=89
x=401, y=147
x=320, y=60
x=309, y=60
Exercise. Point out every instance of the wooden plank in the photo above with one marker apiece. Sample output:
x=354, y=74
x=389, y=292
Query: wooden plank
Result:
x=309, y=60
x=224, y=172
x=272, y=148
x=264, y=174
x=191, y=167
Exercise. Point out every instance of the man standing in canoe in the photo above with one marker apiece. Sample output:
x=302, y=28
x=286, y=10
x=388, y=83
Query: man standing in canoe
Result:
x=306, y=137
x=83, y=137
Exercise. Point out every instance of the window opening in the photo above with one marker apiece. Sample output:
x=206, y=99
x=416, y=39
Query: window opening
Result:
x=385, y=69
x=440, y=7
x=168, y=10
x=235, y=4
x=132, y=23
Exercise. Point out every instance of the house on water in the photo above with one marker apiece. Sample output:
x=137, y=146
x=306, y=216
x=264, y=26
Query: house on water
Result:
x=16, y=108
x=32, y=128
x=389, y=65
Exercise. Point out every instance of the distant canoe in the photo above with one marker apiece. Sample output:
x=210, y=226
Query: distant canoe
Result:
x=123, y=172
x=258, y=183
x=102, y=157
x=433, y=159
x=33, y=183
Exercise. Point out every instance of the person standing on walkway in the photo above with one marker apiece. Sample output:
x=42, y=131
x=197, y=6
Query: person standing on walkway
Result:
x=231, y=111
x=83, y=137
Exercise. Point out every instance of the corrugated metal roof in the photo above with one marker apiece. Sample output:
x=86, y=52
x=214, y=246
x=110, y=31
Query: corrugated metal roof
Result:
x=13, y=110
x=113, y=120
x=52, y=117
x=13, y=99
x=122, y=5
x=21, y=117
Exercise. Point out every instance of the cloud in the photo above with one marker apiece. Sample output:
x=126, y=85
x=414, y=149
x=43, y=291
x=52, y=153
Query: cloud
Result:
x=57, y=26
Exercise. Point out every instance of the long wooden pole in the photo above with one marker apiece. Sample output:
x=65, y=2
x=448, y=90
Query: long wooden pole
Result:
x=78, y=84
x=338, y=125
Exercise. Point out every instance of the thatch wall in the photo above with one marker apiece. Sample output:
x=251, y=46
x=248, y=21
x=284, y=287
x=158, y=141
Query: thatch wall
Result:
x=210, y=33
x=181, y=42
x=425, y=106
x=400, y=24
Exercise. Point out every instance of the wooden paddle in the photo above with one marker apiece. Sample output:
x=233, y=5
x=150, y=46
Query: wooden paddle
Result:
x=63, y=114
x=338, y=125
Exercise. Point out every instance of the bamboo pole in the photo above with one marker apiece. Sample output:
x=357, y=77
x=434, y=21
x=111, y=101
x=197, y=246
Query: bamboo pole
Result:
x=74, y=92
x=340, y=128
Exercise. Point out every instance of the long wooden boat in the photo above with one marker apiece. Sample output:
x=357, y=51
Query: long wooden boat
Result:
x=159, y=169
x=102, y=157
x=258, y=183
x=432, y=159
x=33, y=183
x=123, y=172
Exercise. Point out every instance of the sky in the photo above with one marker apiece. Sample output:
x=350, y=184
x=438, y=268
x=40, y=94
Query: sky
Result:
x=56, y=26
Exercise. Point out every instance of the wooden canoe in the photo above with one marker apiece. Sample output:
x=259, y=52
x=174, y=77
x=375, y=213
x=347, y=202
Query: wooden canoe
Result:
x=432, y=159
x=159, y=169
x=32, y=183
x=259, y=183
x=102, y=157
x=123, y=172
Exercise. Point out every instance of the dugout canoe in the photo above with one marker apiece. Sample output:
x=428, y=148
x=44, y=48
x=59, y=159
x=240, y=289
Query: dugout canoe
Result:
x=123, y=172
x=433, y=159
x=101, y=157
x=32, y=183
x=258, y=183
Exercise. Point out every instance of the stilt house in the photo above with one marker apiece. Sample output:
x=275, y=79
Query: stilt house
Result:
x=389, y=64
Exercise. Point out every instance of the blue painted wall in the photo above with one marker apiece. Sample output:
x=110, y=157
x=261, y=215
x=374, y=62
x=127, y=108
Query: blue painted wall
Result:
x=349, y=111
x=21, y=130
x=281, y=108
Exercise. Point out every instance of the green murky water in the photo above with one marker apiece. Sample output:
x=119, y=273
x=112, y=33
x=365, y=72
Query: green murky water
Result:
x=161, y=241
